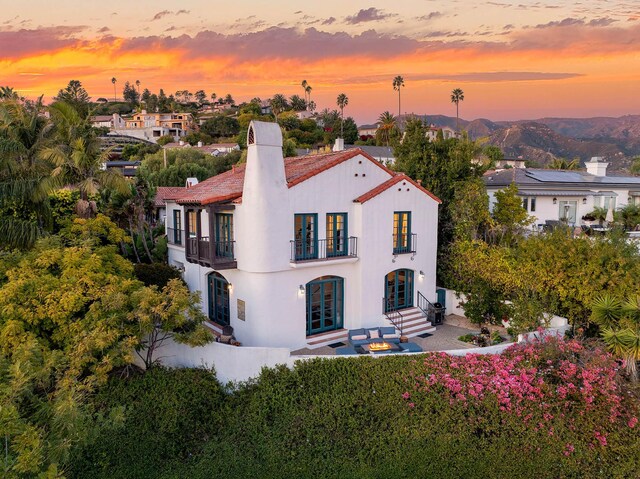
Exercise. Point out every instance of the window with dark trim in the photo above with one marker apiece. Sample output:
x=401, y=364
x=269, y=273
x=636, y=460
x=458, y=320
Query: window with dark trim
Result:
x=401, y=232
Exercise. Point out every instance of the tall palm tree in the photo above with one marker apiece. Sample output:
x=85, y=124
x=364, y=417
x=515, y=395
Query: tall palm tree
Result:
x=342, y=101
x=304, y=85
x=213, y=97
x=24, y=131
x=307, y=91
x=113, y=80
x=78, y=159
x=398, y=83
x=619, y=322
x=387, y=123
x=138, y=85
x=457, y=95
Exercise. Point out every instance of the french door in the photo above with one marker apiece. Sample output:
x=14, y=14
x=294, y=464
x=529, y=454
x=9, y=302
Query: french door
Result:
x=219, y=311
x=224, y=235
x=325, y=304
x=306, y=230
x=398, y=290
x=337, y=234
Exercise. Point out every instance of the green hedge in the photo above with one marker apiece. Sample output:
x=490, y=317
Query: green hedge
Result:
x=340, y=418
x=169, y=416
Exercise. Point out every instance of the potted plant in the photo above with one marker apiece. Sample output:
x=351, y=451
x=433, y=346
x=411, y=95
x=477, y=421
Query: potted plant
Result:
x=589, y=219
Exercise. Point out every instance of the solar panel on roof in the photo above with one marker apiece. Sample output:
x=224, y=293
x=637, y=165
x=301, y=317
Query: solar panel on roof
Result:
x=557, y=176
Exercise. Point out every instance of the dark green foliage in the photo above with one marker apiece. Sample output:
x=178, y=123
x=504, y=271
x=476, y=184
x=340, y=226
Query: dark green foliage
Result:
x=220, y=126
x=137, y=151
x=157, y=274
x=343, y=418
x=169, y=416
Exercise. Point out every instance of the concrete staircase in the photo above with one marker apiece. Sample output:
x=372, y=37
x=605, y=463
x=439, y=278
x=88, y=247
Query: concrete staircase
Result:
x=319, y=340
x=415, y=322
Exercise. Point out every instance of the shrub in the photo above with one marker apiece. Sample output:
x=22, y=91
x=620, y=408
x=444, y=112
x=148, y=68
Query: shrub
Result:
x=158, y=274
x=168, y=415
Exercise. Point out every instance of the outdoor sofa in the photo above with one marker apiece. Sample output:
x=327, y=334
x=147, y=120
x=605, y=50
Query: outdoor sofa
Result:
x=358, y=337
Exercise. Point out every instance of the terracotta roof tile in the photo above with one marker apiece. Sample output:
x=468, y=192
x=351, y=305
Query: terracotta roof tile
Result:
x=228, y=185
x=164, y=193
x=388, y=184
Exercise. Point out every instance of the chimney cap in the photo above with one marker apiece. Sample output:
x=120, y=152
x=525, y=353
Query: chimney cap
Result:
x=262, y=133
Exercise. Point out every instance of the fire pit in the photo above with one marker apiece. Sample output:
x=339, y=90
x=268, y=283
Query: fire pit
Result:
x=376, y=347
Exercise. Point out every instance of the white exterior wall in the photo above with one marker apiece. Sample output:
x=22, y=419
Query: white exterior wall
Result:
x=269, y=283
x=546, y=210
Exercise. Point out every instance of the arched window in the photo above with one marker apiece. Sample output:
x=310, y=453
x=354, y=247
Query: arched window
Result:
x=398, y=290
x=325, y=304
x=251, y=136
x=219, y=311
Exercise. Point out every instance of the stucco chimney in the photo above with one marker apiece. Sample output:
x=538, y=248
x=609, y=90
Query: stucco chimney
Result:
x=264, y=201
x=596, y=166
x=339, y=144
x=181, y=143
x=199, y=144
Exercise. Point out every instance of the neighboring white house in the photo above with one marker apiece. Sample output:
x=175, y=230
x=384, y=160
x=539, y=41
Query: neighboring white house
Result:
x=384, y=154
x=368, y=130
x=294, y=252
x=566, y=195
x=215, y=149
x=108, y=121
x=432, y=132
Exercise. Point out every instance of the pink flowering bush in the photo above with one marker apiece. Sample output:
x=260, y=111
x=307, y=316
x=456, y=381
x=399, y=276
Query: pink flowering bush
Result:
x=569, y=395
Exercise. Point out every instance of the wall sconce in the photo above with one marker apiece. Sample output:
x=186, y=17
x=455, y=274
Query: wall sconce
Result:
x=301, y=290
x=555, y=201
x=230, y=287
x=584, y=201
x=421, y=274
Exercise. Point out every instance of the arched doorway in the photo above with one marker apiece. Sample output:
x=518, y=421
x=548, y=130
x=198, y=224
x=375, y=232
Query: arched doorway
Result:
x=325, y=304
x=219, y=311
x=398, y=290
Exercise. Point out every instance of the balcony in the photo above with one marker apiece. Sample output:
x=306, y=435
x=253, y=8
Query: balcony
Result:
x=215, y=254
x=323, y=250
x=405, y=243
x=175, y=237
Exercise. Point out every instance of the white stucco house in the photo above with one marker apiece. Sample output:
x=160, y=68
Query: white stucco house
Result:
x=295, y=252
x=566, y=195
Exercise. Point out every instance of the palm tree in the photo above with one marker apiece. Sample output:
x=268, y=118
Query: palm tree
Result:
x=8, y=93
x=213, y=97
x=113, y=80
x=563, y=164
x=619, y=322
x=307, y=92
x=304, y=85
x=278, y=104
x=138, y=85
x=398, y=83
x=24, y=131
x=387, y=123
x=457, y=96
x=78, y=159
x=342, y=101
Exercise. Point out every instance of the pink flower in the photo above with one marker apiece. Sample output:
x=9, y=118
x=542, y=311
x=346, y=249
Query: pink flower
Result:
x=406, y=395
x=412, y=405
x=632, y=422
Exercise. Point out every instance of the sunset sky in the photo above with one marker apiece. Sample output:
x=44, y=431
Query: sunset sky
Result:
x=525, y=59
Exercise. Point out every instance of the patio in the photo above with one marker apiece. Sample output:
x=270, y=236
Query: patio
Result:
x=443, y=339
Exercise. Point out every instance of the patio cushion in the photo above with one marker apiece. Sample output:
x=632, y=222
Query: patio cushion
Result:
x=374, y=333
x=359, y=337
x=387, y=330
x=357, y=332
x=390, y=336
x=346, y=351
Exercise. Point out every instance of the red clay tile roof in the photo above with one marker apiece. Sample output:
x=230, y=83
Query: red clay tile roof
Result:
x=167, y=193
x=228, y=185
x=388, y=184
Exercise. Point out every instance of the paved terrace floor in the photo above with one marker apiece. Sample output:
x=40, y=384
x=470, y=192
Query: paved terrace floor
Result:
x=443, y=339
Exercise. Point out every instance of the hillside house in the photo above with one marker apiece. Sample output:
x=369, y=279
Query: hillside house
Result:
x=566, y=195
x=294, y=252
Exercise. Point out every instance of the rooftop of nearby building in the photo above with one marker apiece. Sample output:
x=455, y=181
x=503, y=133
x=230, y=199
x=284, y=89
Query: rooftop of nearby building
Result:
x=375, y=151
x=534, y=177
x=228, y=186
x=164, y=193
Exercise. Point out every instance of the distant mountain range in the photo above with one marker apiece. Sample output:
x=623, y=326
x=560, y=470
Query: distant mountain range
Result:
x=541, y=140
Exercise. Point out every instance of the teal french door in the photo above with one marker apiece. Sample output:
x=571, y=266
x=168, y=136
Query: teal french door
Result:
x=219, y=311
x=325, y=304
x=401, y=232
x=398, y=290
x=306, y=239
x=177, y=227
x=224, y=235
x=337, y=234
